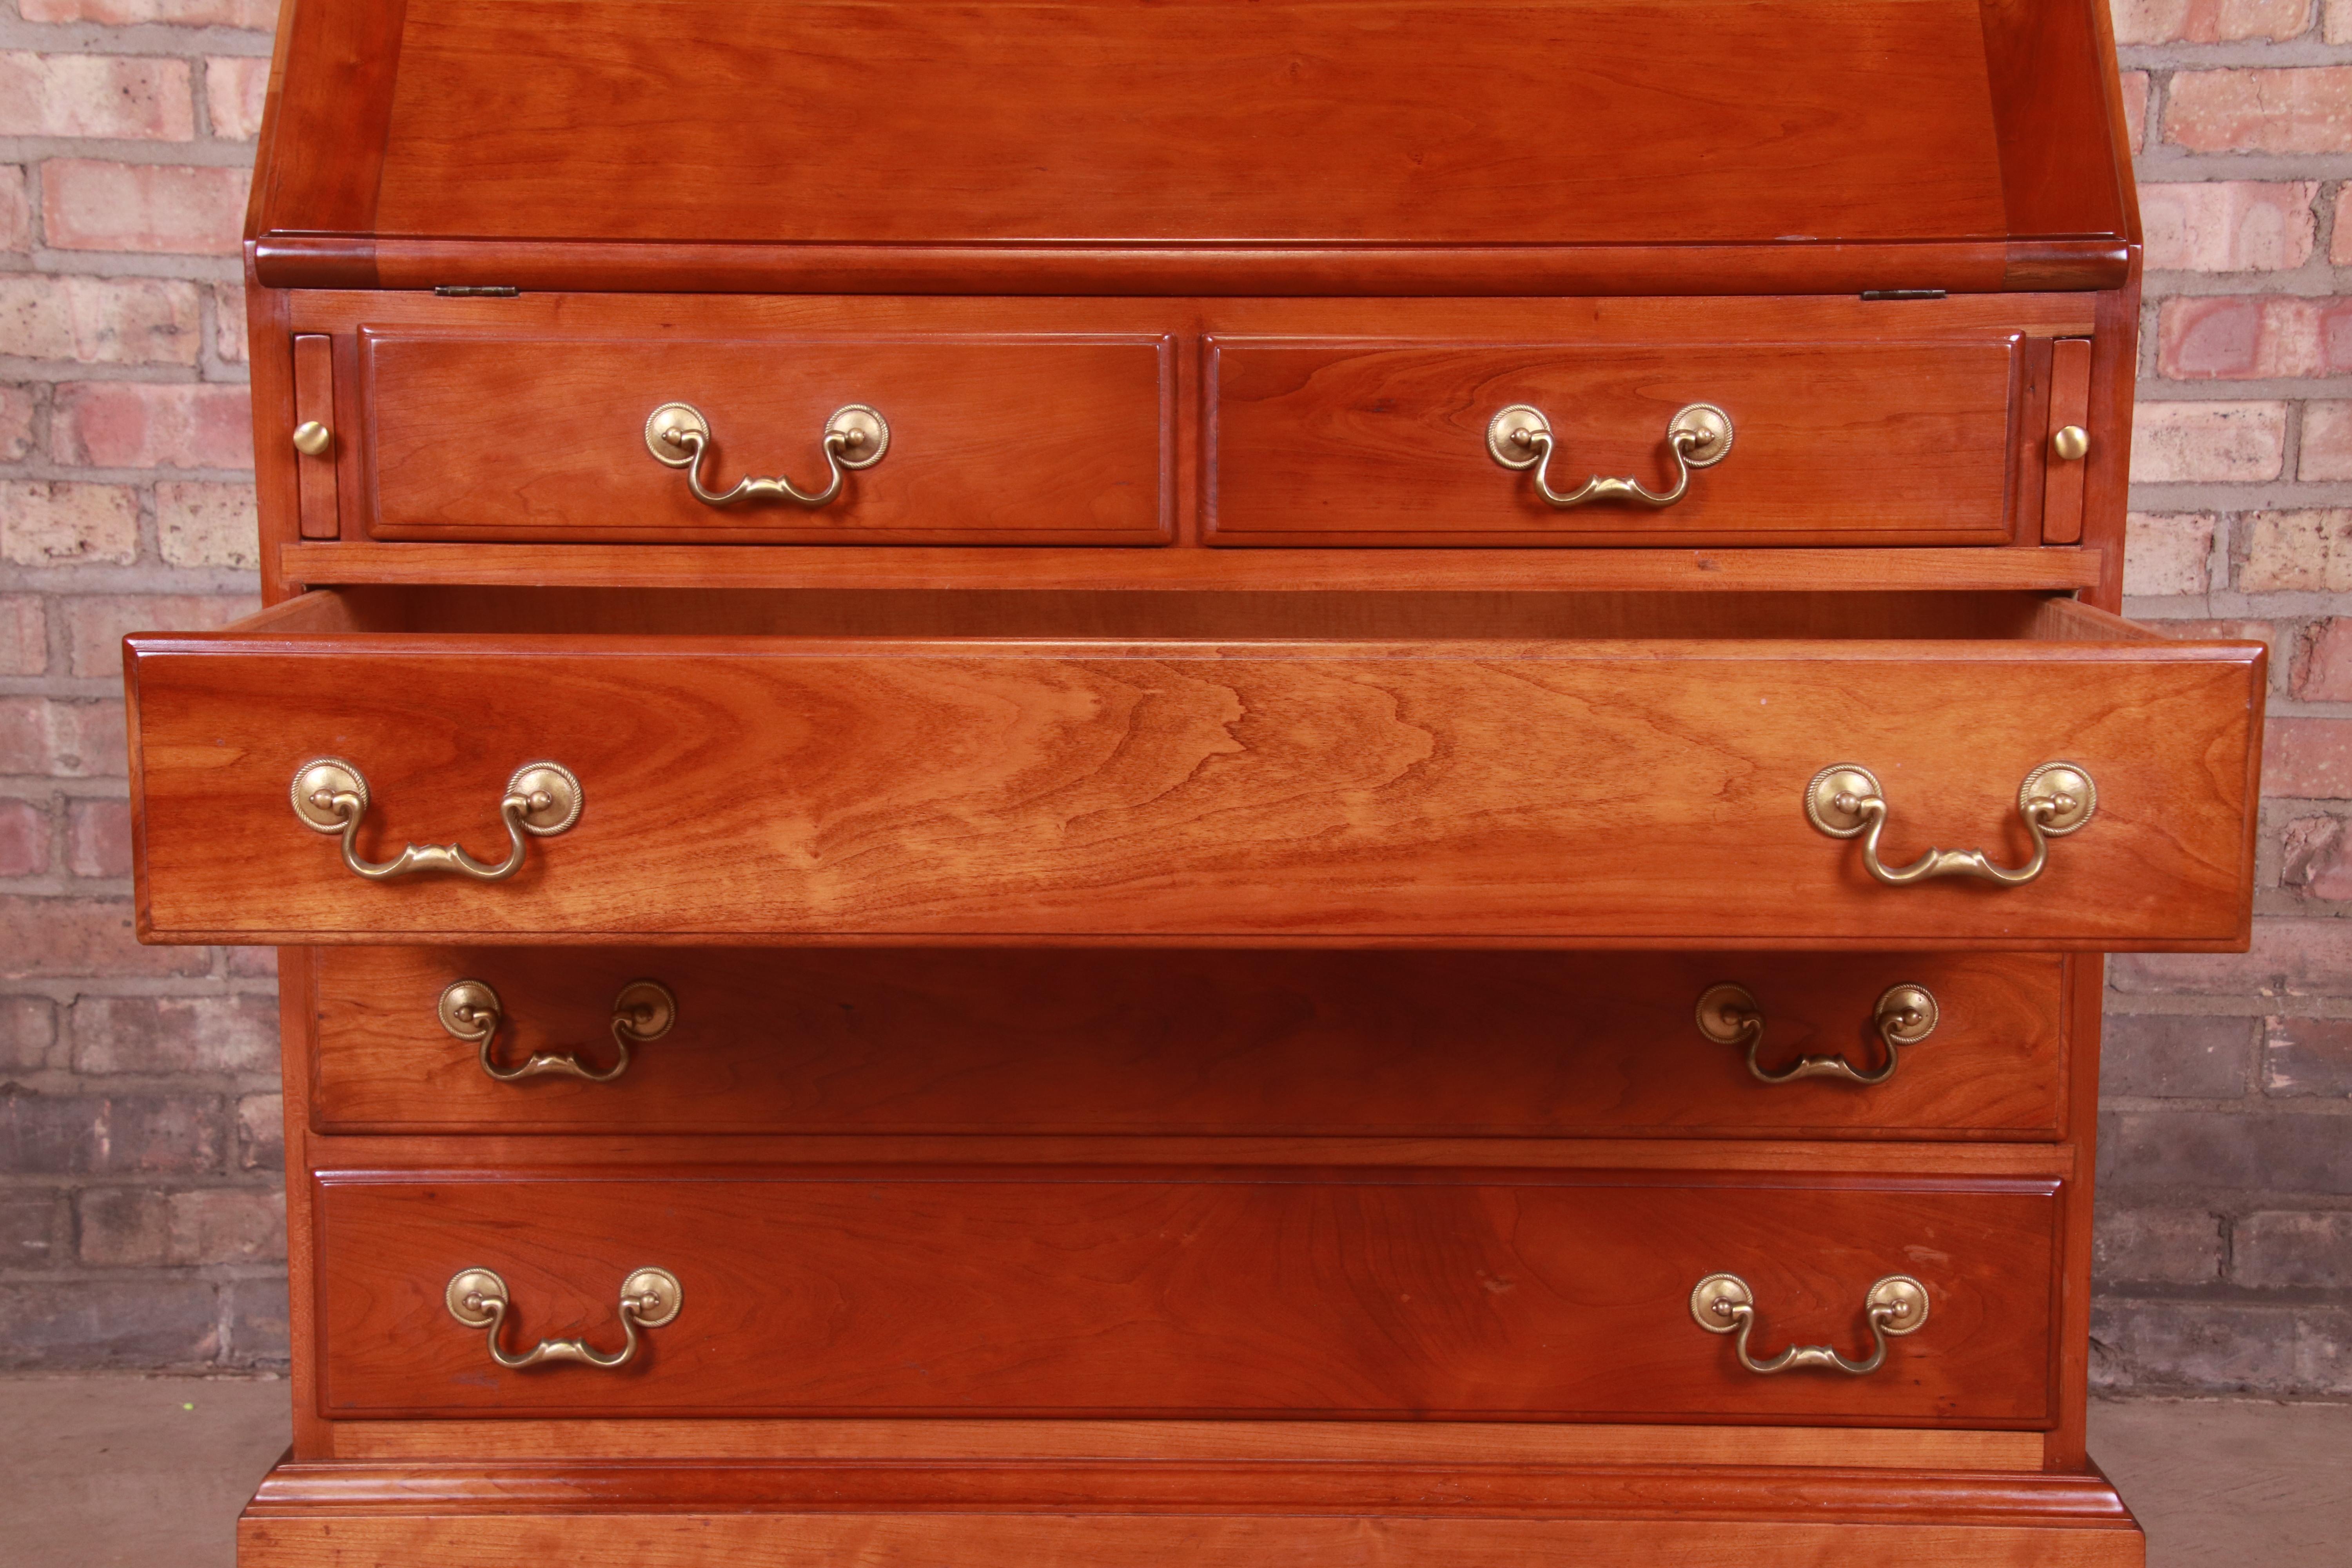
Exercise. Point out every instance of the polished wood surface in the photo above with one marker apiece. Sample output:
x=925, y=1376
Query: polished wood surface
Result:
x=1565, y=792
x=1862, y=442
x=880, y=1290
x=1085, y=146
x=2070, y=404
x=1239, y=1045
x=314, y=402
x=993, y=437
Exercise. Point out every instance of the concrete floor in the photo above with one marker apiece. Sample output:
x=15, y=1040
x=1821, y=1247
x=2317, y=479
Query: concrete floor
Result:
x=97, y=1472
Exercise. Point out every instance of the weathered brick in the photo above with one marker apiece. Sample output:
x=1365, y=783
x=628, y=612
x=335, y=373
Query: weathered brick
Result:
x=16, y=209
x=2322, y=670
x=96, y=624
x=2136, y=109
x=2307, y=1058
x=2326, y=440
x=2303, y=109
x=155, y=1036
x=257, y=1323
x=2229, y=225
x=98, y=320
x=2308, y=758
x=92, y=204
x=2224, y=337
x=199, y=524
x=24, y=634
x=235, y=86
x=2209, y=21
x=120, y=97
x=2307, y=548
x=165, y=1322
x=227, y=1224
x=2156, y=1246
x=255, y=14
x=29, y=1228
x=63, y=740
x=51, y=523
x=261, y=1131
x=98, y=837
x=250, y=961
x=147, y=424
x=2338, y=26
x=2167, y=553
x=228, y=323
x=28, y=1028
x=2214, y=1151
x=2286, y=1248
x=2288, y=957
x=2214, y=1348
x=120, y=1227
x=2315, y=859
x=23, y=839
x=2222, y=443
x=2177, y=1056
x=109, y=1135
x=58, y=937
x=17, y=407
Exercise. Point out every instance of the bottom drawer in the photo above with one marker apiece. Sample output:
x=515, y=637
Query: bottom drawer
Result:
x=1086, y=1292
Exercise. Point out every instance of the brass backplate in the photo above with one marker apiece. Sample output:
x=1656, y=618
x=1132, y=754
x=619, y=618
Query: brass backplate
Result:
x=865, y=434
x=1727, y=1014
x=326, y=776
x=470, y=1293
x=1711, y=428
x=2052, y=781
x=1713, y=1298
x=1508, y=435
x=1905, y=1300
x=680, y=419
x=462, y=1005
x=648, y=1007
x=657, y=1293
x=1907, y=1014
x=554, y=794
x=1822, y=808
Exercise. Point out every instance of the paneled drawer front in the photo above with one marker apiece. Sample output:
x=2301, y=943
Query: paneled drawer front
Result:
x=1619, y=790
x=1228, y=1044
x=1857, y=442
x=991, y=438
x=879, y=1291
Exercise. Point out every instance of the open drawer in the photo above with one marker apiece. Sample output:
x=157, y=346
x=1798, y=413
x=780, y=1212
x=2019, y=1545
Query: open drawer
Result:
x=1569, y=770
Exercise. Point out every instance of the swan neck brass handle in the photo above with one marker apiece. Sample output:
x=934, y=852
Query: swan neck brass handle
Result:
x=469, y=1009
x=1520, y=438
x=649, y=1298
x=855, y=436
x=2056, y=799
x=1896, y=1306
x=330, y=795
x=1905, y=1015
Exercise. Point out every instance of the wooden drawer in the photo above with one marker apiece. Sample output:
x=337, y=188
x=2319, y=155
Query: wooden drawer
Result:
x=1852, y=440
x=889, y=1291
x=482, y=433
x=1209, y=1044
x=1589, y=769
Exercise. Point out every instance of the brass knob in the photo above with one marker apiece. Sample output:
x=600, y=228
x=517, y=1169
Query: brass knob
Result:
x=2070, y=443
x=313, y=439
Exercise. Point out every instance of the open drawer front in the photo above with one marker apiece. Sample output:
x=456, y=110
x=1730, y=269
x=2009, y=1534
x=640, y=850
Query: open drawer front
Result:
x=1573, y=770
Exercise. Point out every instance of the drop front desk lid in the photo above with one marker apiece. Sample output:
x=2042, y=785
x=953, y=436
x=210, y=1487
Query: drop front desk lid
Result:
x=1195, y=146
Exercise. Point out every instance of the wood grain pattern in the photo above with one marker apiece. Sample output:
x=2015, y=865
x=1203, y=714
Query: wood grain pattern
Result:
x=2070, y=403
x=881, y=1291
x=993, y=437
x=1562, y=792
x=1384, y=442
x=1356, y=1442
x=1235, y=1045
x=327, y=1535
x=314, y=400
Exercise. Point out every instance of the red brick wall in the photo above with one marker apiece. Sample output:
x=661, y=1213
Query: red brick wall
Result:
x=138, y=1194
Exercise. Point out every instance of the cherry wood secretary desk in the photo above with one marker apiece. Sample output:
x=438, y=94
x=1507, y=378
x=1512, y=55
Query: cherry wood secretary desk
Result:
x=1155, y=781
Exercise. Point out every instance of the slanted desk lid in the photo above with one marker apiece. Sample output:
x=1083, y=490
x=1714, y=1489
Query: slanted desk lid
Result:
x=1477, y=146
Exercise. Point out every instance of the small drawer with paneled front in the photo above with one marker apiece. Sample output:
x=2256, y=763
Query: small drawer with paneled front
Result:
x=988, y=1041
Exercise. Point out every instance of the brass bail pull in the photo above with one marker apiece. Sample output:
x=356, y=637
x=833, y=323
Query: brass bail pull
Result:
x=1905, y=1014
x=1895, y=1306
x=470, y=1010
x=1520, y=438
x=478, y=1299
x=2056, y=799
x=854, y=437
x=330, y=795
